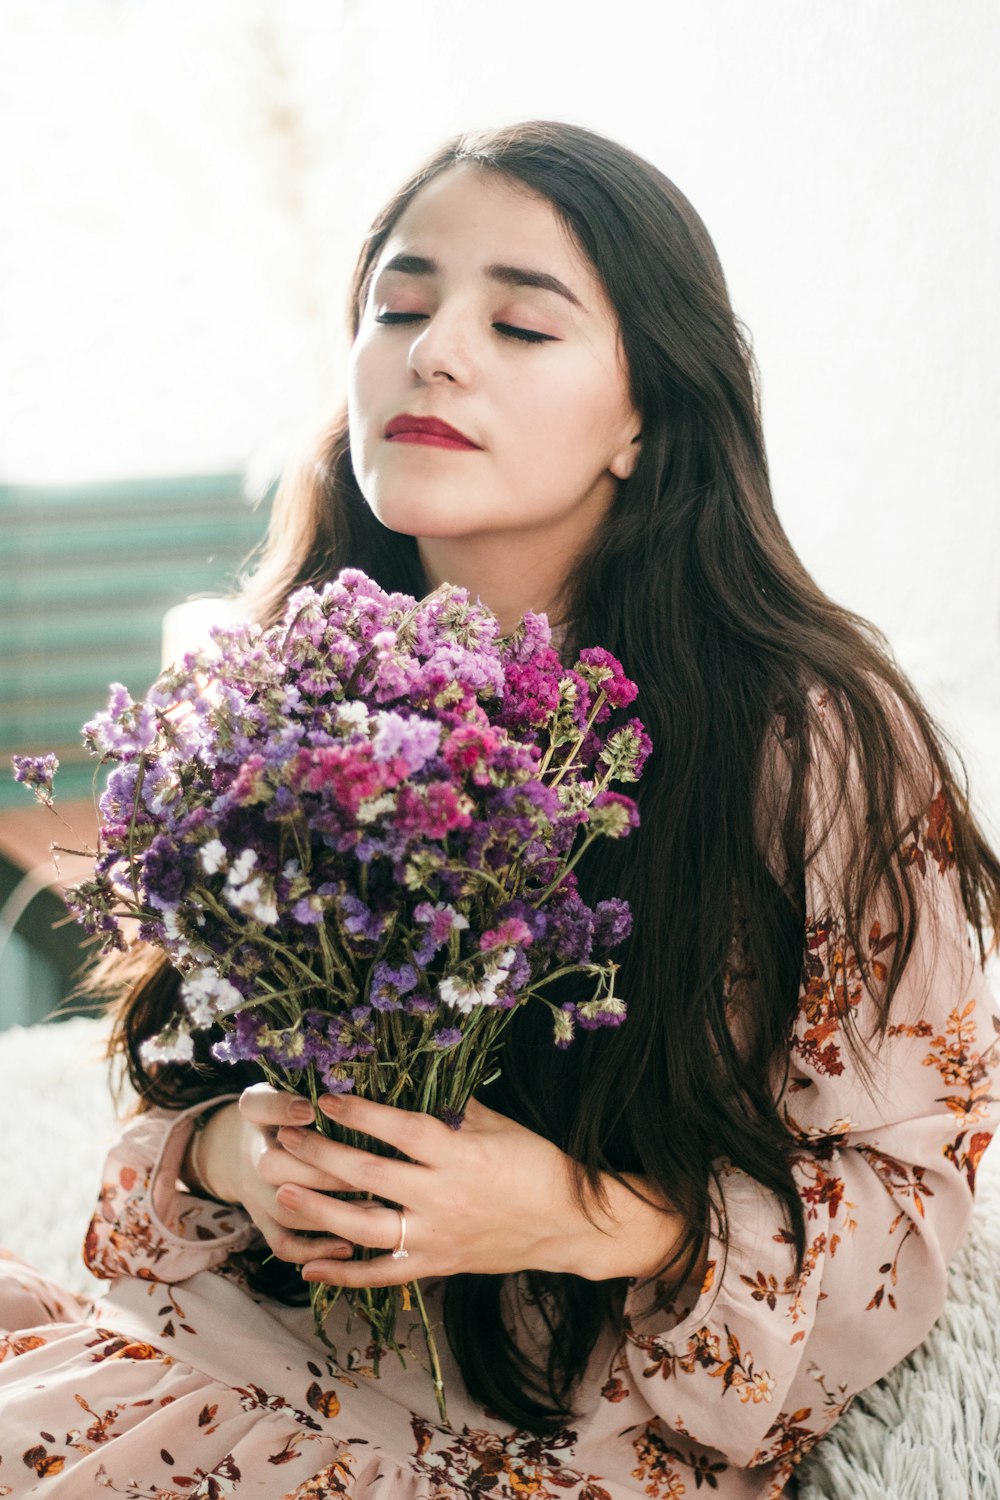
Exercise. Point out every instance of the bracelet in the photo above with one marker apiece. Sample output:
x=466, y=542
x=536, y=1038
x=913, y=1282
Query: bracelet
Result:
x=200, y=1182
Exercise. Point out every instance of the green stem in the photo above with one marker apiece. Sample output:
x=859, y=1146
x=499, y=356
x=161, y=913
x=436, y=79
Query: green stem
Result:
x=570, y=863
x=432, y=1352
x=133, y=873
x=598, y=701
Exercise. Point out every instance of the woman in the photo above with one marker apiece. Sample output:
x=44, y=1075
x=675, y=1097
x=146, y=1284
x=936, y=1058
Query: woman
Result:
x=668, y=1257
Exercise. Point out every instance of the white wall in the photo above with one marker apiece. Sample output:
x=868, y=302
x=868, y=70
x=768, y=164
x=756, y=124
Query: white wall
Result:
x=185, y=185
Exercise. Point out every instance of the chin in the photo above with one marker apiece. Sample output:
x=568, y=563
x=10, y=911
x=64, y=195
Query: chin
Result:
x=417, y=516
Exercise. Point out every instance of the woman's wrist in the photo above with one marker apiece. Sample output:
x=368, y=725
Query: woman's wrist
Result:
x=633, y=1237
x=209, y=1149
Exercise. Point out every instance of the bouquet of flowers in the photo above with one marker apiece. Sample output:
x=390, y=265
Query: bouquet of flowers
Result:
x=354, y=834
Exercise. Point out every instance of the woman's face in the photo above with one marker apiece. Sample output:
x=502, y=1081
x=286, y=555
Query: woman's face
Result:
x=455, y=327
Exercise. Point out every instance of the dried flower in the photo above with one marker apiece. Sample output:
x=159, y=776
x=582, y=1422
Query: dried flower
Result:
x=355, y=834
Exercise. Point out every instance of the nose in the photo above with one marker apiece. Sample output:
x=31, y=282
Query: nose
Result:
x=440, y=350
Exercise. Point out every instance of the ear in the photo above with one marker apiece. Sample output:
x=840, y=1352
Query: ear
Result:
x=624, y=461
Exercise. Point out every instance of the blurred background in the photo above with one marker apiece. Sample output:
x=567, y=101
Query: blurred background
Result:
x=185, y=185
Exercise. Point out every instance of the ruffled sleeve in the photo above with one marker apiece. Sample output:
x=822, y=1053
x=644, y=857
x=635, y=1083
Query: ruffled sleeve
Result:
x=768, y=1357
x=146, y=1224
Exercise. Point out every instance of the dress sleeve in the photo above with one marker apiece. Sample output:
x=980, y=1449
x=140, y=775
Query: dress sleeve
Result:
x=767, y=1357
x=146, y=1224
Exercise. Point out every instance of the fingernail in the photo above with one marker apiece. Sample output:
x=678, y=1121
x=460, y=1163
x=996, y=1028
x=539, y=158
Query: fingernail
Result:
x=289, y=1195
x=289, y=1136
x=330, y=1104
x=301, y=1111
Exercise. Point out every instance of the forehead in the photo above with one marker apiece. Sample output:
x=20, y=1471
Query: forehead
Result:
x=469, y=217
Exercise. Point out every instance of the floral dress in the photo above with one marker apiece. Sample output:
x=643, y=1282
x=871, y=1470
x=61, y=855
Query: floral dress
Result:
x=180, y=1383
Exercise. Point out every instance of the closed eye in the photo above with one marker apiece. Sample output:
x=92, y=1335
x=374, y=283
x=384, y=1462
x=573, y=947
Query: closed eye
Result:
x=507, y=330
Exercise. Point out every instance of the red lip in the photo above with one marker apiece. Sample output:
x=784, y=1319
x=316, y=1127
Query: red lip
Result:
x=427, y=429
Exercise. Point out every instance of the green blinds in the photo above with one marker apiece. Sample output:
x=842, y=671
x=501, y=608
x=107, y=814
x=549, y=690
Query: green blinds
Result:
x=86, y=574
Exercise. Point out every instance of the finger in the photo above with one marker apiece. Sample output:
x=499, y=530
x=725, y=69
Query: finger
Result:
x=264, y=1105
x=370, y=1224
x=381, y=1270
x=363, y=1171
x=419, y=1136
x=275, y=1165
x=299, y=1248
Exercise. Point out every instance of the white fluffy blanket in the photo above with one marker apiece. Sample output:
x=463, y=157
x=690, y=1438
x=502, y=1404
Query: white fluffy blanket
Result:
x=929, y=1431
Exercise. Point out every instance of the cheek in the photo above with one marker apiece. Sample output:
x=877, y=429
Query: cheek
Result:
x=567, y=425
x=363, y=386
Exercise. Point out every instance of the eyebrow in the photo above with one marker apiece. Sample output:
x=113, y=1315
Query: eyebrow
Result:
x=421, y=265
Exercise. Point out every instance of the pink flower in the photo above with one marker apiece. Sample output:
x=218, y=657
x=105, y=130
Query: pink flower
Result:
x=468, y=748
x=510, y=933
x=346, y=773
x=609, y=675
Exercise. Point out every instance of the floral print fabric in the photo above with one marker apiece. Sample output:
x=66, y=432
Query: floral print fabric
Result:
x=181, y=1382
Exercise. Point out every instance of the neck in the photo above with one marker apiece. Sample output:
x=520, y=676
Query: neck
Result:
x=509, y=575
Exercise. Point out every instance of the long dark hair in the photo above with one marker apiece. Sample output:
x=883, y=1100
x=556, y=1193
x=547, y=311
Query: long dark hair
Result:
x=693, y=583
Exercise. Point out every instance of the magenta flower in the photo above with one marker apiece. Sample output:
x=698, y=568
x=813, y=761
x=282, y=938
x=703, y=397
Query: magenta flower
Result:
x=607, y=672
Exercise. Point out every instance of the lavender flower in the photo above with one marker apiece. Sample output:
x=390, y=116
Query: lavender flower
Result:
x=36, y=772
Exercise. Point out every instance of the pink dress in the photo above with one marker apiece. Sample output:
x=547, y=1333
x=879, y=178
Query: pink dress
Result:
x=181, y=1384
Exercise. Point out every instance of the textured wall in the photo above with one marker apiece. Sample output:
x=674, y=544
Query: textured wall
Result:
x=187, y=183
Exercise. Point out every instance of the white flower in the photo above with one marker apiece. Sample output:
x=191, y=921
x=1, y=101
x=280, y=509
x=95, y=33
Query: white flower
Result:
x=465, y=996
x=255, y=899
x=563, y=1028
x=241, y=869
x=214, y=856
x=169, y=1046
x=207, y=995
x=352, y=715
x=426, y=913
x=374, y=807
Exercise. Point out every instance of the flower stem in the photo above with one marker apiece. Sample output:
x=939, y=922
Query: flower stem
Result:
x=432, y=1352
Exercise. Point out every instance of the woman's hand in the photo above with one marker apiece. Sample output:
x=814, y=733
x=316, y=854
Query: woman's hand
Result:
x=490, y=1197
x=241, y=1160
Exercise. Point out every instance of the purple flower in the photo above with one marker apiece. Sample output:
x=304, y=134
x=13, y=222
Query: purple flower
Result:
x=528, y=638
x=448, y=1036
x=163, y=872
x=308, y=912
x=572, y=929
x=357, y=918
x=644, y=746
x=336, y=1084
x=612, y=922
x=36, y=772
x=125, y=730
x=389, y=985
x=531, y=691
x=412, y=740
x=613, y=814
x=241, y=1045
